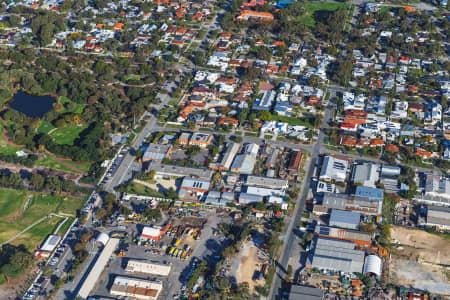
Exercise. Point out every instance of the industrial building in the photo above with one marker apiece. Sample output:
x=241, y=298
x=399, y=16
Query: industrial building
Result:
x=48, y=246
x=299, y=292
x=153, y=233
x=436, y=191
x=219, y=199
x=364, y=205
x=334, y=168
x=295, y=161
x=366, y=174
x=389, y=178
x=226, y=159
x=196, y=139
x=157, y=152
x=335, y=255
x=243, y=164
x=97, y=269
x=194, y=186
x=148, y=268
x=167, y=171
x=438, y=217
x=344, y=219
x=325, y=187
x=373, y=265
x=246, y=198
x=136, y=288
x=360, y=238
x=268, y=182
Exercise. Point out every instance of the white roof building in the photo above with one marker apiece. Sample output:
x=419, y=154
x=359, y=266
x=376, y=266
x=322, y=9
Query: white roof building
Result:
x=334, y=169
x=148, y=268
x=50, y=243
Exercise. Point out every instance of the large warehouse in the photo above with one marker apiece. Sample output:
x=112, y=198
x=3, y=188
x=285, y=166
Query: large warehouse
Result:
x=136, y=288
x=335, y=255
x=148, y=268
x=98, y=268
x=344, y=219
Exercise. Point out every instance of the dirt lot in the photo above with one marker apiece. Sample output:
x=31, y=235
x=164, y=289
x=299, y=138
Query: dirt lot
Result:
x=249, y=263
x=429, y=247
x=419, y=260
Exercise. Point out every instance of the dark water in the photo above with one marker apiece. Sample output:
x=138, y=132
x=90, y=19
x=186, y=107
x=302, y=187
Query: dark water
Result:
x=32, y=106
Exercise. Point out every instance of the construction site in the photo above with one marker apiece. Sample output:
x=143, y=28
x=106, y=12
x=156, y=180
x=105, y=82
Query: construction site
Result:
x=420, y=259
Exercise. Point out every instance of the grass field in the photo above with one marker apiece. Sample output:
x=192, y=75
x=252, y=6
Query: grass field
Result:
x=140, y=189
x=14, y=219
x=84, y=167
x=45, y=127
x=50, y=162
x=4, y=146
x=78, y=108
x=67, y=135
x=311, y=7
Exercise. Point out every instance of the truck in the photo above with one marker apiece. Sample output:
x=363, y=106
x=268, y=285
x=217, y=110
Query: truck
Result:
x=176, y=252
x=172, y=249
x=177, y=242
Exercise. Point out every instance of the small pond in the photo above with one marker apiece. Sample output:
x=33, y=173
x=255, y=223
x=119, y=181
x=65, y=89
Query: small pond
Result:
x=32, y=106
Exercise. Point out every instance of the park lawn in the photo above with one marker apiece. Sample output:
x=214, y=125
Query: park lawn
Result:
x=63, y=229
x=6, y=148
x=45, y=127
x=41, y=205
x=78, y=109
x=50, y=162
x=82, y=166
x=132, y=77
x=10, y=202
x=67, y=135
x=311, y=7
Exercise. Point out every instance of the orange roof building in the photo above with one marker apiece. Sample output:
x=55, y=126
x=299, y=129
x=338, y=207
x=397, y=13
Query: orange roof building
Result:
x=422, y=152
x=118, y=26
x=391, y=148
x=376, y=142
x=348, y=142
x=250, y=14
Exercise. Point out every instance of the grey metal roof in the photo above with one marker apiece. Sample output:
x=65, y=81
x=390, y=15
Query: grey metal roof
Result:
x=178, y=171
x=245, y=198
x=243, y=163
x=266, y=182
x=368, y=192
x=339, y=217
x=366, y=173
x=337, y=256
x=332, y=200
x=299, y=292
x=156, y=152
x=195, y=183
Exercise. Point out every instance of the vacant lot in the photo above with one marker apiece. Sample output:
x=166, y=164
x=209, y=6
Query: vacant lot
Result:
x=249, y=263
x=420, y=259
x=429, y=247
x=314, y=9
x=17, y=216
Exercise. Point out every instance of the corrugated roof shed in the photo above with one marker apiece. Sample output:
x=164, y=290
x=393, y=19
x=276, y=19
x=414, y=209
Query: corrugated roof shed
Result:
x=344, y=219
x=299, y=292
x=336, y=255
x=99, y=265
